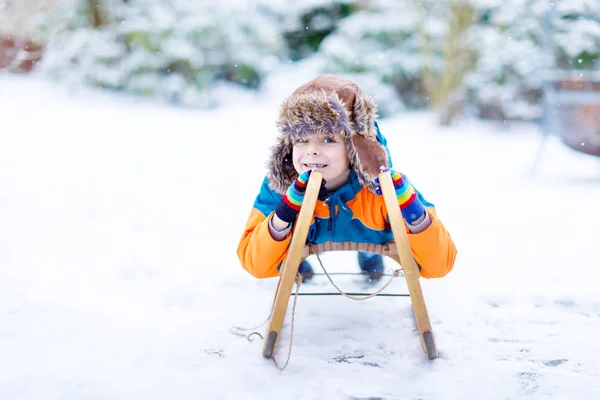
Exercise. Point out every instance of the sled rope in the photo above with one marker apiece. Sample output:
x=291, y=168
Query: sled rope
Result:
x=239, y=331
x=298, y=283
x=395, y=274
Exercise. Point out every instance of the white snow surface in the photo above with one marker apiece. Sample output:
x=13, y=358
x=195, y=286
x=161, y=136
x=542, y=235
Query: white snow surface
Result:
x=119, y=279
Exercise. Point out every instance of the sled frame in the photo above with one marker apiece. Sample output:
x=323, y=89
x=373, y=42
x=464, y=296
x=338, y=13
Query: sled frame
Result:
x=399, y=250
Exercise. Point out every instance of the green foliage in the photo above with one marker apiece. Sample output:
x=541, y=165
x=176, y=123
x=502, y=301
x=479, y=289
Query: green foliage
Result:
x=383, y=42
x=177, y=53
x=504, y=49
x=312, y=26
x=585, y=60
x=399, y=49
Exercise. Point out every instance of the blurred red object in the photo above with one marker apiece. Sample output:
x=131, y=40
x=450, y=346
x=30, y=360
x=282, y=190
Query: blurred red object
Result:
x=19, y=54
x=577, y=111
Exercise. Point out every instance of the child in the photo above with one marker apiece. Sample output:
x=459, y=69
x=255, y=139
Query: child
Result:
x=328, y=125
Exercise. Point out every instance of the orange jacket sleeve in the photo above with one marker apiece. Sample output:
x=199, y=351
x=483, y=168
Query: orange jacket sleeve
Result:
x=433, y=249
x=258, y=252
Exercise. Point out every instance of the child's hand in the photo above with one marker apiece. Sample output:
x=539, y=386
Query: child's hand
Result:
x=291, y=201
x=411, y=207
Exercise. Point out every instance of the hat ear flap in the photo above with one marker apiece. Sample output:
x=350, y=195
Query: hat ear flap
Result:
x=366, y=156
x=281, y=167
x=365, y=113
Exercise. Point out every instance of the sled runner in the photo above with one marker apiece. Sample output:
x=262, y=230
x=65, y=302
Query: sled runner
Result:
x=399, y=250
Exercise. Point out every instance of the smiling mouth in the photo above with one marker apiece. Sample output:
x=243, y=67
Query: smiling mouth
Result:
x=313, y=166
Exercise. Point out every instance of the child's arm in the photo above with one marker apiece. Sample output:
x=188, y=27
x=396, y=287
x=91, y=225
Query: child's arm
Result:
x=266, y=237
x=279, y=225
x=429, y=240
x=259, y=253
x=433, y=248
x=420, y=224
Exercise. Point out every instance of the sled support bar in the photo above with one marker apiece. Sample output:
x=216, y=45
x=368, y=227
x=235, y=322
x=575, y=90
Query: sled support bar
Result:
x=409, y=265
x=291, y=262
x=399, y=250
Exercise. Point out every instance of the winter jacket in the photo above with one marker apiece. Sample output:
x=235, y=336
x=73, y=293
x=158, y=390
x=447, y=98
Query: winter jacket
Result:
x=350, y=214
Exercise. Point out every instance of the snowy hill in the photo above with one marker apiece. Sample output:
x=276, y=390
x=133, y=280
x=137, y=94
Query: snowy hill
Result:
x=119, y=221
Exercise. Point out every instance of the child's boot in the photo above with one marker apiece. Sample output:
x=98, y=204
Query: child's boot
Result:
x=372, y=264
x=305, y=269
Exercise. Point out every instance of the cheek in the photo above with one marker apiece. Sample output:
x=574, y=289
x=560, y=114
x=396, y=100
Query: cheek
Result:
x=296, y=154
x=340, y=157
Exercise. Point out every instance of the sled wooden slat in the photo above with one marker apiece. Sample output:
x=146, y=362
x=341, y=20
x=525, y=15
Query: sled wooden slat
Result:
x=389, y=249
x=409, y=265
x=289, y=266
x=399, y=250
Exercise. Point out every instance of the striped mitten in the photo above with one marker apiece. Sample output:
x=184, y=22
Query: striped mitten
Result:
x=410, y=205
x=291, y=201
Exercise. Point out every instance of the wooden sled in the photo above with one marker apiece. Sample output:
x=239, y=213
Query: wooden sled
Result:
x=398, y=250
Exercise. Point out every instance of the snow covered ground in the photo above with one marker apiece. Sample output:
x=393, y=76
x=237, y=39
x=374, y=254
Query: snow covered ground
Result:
x=119, y=221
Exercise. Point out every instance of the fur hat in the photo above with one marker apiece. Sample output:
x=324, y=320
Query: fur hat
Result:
x=327, y=104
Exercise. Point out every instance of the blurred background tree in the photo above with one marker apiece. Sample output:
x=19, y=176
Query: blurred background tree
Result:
x=177, y=51
x=96, y=14
x=482, y=58
x=444, y=86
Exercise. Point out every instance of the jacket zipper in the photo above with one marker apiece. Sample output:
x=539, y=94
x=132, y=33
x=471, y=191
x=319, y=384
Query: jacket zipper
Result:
x=330, y=222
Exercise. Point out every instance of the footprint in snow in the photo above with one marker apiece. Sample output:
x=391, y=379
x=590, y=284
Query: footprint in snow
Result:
x=353, y=359
x=215, y=352
x=554, y=363
x=529, y=384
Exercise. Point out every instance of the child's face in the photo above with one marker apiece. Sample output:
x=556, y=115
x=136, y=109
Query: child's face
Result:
x=326, y=154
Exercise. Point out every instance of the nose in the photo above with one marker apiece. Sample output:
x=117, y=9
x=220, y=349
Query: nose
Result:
x=312, y=148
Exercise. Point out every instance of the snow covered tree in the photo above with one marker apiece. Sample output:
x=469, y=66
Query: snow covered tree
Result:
x=387, y=42
x=445, y=89
x=483, y=56
x=486, y=54
x=305, y=24
x=174, y=50
x=577, y=34
x=511, y=58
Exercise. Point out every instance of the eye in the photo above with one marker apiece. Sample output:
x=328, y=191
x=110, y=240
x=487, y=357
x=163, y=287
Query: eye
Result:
x=301, y=141
x=329, y=140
